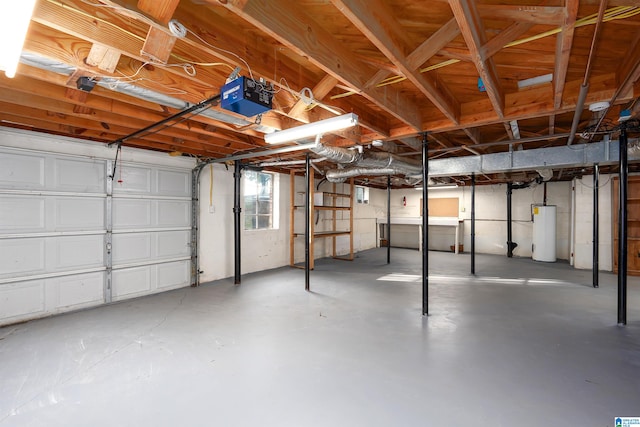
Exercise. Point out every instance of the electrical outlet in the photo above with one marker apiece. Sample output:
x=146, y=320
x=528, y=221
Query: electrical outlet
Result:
x=462, y=209
x=211, y=209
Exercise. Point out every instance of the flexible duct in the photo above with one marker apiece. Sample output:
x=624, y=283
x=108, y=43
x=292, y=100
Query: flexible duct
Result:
x=337, y=154
x=368, y=163
x=341, y=175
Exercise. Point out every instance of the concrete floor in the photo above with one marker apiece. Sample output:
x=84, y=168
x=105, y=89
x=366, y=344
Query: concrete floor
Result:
x=521, y=344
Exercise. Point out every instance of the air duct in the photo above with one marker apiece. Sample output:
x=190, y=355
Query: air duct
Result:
x=367, y=163
x=341, y=175
x=126, y=88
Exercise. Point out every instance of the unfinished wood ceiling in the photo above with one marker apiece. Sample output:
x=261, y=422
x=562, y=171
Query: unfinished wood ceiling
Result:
x=451, y=68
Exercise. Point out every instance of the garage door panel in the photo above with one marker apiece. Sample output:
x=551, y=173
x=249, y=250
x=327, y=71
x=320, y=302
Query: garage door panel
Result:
x=131, y=248
x=79, y=176
x=73, y=292
x=22, y=299
x=133, y=179
x=18, y=213
x=130, y=213
x=76, y=252
x=76, y=213
x=53, y=226
x=174, y=275
x=131, y=282
x=22, y=171
x=172, y=244
x=22, y=257
x=173, y=183
x=174, y=213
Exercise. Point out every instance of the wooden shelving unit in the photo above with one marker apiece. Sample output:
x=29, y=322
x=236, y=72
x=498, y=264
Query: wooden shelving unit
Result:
x=335, y=206
x=633, y=225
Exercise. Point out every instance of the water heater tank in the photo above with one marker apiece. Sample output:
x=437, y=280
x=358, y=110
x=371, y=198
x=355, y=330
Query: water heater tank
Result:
x=544, y=233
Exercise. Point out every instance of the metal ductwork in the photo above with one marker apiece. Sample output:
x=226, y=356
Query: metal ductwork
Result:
x=367, y=163
x=337, y=154
x=126, y=88
x=341, y=175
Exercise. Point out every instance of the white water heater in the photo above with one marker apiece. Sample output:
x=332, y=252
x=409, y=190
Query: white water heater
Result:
x=544, y=233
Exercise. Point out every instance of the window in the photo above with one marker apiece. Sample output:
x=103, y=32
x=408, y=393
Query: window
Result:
x=362, y=194
x=258, y=200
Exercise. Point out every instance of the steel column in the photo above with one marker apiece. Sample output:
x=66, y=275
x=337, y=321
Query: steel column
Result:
x=237, y=174
x=473, y=224
x=622, y=229
x=596, y=226
x=389, y=219
x=509, y=233
x=425, y=225
x=307, y=221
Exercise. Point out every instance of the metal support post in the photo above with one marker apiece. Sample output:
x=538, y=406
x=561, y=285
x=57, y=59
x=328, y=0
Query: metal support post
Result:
x=622, y=228
x=596, y=226
x=425, y=225
x=509, y=232
x=473, y=224
x=237, y=174
x=307, y=221
x=389, y=219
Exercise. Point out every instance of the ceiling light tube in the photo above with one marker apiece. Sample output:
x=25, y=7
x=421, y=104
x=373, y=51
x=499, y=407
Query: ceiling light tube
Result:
x=312, y=129
x=13, y=31
x=443, y=186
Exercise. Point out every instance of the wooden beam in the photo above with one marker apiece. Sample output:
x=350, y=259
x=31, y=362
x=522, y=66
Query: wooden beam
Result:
x=161, y=10
x=507, y=128
x=564, y=42
x=158, y=45
x=506, y=36
x=629, y=71
x=522, y=105
x=433, y=44
x=103, y=57
x=374, y=19
x=473, y=32
x=547, y=15
x=307, y=38
x=473, y=134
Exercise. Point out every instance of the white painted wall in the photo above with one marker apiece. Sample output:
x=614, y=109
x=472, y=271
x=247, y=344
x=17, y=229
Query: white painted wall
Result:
x=491, y=216
x=265, y=249
x=583, y=252
x=261, y=249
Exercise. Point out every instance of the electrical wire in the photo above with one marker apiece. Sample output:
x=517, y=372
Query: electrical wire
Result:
x=614, y=13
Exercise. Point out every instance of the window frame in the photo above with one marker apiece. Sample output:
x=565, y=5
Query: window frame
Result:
x=253, y=189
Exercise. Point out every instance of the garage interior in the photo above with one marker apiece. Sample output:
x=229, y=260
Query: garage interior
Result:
x=330, y=212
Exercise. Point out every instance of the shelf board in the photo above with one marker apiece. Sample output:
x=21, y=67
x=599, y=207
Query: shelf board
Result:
x=325, y=234
x=326, y=208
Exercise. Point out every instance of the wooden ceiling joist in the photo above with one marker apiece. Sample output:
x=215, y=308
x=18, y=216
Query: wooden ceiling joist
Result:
x=473, y=32
x=302, y=34
x=379, y=29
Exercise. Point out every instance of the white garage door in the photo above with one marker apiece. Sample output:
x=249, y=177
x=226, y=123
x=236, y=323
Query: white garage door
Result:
x=55, y=218
x=151, y=230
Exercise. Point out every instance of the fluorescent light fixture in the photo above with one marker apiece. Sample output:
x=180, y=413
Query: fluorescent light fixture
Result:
x=417, y=188
x=545, y=78
x=442, y=186
x=312, y=129
x=13, y=31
